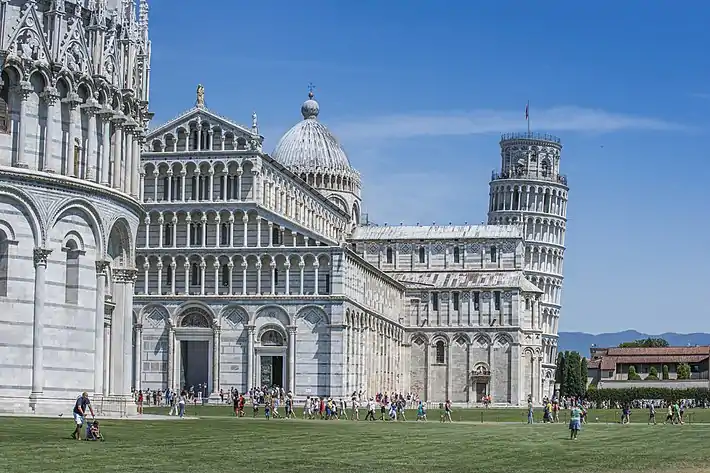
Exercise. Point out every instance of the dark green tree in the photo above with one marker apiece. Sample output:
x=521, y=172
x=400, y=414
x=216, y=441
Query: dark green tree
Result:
x=652, y=374
x=645, y=343
x=573, y=382
x=560, y=372
x=583, y=374
x=683, y=371
x=665, y=372
x=633, y=375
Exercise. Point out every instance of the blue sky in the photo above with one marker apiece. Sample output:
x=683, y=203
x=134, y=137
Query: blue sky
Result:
x=419, y=91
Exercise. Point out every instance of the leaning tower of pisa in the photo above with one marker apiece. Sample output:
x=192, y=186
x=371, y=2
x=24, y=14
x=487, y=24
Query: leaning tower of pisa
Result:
x=530, y=189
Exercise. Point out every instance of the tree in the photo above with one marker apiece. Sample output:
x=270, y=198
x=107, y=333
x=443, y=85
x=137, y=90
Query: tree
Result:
x=683, y=371
x=572, y=382
x=560, y=372
x=652, y=374
x=665, y=372
x=583, y=375
x=633, y=375
x=645, y=343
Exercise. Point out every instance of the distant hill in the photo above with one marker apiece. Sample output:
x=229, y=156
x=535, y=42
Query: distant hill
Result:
x=581, y=342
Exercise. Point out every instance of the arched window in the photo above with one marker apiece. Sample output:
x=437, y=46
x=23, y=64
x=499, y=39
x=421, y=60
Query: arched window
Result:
x=169, y=276
x=4, y=101
x=272, y=338
x=193, y=188
x=4, y=261
x=545, y=168
x=165, y=188
x=225, y=275
x=71, y=273
x=168, y=235
x=422, y=255
x=457, y=255
x=224, y=234
x=440, y=352
x=195, y=274
x=389, y=255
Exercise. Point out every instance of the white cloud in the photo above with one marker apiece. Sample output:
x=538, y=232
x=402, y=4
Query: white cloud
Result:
x=491, y=121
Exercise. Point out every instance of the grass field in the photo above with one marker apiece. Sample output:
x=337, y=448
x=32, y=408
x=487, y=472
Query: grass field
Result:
x=227, y=444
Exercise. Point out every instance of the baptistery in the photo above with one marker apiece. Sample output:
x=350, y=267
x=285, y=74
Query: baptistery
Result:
x=73, y=109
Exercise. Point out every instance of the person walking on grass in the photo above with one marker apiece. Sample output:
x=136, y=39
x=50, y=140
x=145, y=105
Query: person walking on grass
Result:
x=182, y=401
x=575, y=422
x=446, y=416
x=651, y=413
x=531, y=411
x=82, y=402
x=355, y=409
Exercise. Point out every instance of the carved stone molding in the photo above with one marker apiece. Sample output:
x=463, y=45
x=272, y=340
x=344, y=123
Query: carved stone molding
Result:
x=40, y=256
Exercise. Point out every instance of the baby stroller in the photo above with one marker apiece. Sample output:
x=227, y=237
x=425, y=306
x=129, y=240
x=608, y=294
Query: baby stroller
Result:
x=94, y=435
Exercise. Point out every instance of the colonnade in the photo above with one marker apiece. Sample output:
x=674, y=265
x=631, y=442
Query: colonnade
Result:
x=375, y=356
x=252, y=274
x=106, y=152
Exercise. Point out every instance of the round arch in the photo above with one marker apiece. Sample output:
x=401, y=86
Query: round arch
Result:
x=89, y=212
x=30, y=211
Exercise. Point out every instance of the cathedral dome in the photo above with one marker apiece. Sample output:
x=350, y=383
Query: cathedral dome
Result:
x=309, y=146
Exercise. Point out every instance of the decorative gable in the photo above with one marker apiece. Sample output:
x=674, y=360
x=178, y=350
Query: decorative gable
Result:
x=73, y=52
x=27, y=41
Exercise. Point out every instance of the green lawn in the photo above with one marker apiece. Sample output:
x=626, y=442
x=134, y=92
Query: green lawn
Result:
x=227, y=444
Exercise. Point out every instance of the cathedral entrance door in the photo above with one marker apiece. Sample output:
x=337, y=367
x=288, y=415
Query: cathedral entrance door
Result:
x=272, y=370
x=194, y=365
x=480, y=391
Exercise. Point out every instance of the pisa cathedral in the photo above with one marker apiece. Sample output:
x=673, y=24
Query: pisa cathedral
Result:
x=186, y=255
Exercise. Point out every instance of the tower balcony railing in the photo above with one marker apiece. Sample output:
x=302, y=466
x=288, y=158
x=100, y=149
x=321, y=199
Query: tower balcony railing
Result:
x=530, y=136
x=558, y=178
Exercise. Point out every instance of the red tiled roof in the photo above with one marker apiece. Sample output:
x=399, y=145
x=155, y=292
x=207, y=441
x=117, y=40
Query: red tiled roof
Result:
x=593, y=364
x=610, y=362
x=664, y=351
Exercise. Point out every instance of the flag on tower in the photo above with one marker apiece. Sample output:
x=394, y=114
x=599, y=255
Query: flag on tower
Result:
x=527, y=109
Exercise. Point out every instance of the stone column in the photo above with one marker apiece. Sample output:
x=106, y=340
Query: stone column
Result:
x=117, y=327
x=215, y=362
x=203, y=266
x=99, y=327
x=250, y=357
x=186, y=267
x=171, y=355
x=24, y=89
x=127, y=313
x=231, y=230
x=315, y=269
x=73, y=168
x=292, y=358
x=92, y=155
x=117, y=155
x=136, y=186
x=301, y=268
x=138, y=358
x=428, y=372
x=50, y=96
x=106, y=147
x=128, y=152
x=40, y=262
x=173, y=267
x=245, y=222
x=287, y=266
x=230, y=266
x=449, y=372
x=107, y=356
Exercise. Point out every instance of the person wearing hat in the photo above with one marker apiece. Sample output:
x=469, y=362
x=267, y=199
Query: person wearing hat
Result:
x=82, y=402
